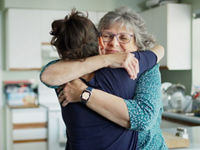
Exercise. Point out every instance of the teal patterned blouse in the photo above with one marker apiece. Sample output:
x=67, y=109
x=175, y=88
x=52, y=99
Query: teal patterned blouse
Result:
x=145, y=111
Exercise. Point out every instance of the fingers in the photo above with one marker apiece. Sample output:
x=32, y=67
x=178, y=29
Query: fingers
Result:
x=65, y=103
x=132, y=66
x=61, y=97
x=135, y=65
x=133, y=73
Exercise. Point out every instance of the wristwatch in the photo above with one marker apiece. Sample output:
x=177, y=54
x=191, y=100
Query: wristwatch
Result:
x=85, y=96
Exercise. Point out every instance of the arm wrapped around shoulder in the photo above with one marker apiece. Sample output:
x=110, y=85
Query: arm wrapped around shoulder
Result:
x=145, y=107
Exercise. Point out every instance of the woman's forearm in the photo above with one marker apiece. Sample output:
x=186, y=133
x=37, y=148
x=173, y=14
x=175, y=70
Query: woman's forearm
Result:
x=64, y=71
x=159, y=51
x=139, y=113
x=109, y=106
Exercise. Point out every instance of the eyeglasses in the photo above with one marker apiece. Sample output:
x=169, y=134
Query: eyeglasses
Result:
x=121, y=37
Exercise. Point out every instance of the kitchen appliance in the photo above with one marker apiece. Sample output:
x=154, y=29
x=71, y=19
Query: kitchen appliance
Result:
x=174, y=98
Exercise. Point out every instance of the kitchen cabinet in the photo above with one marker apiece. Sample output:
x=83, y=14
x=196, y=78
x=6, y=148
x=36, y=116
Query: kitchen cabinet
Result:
x=171, y=26
x=1, y=33
x=23, y=38
x=56, y=128
x=47, y=17
x=26, y=128
x=196, y=53
x=28, y=39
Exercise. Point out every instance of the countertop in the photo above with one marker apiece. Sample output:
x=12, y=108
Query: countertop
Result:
x=194, y=137
x=183, y=117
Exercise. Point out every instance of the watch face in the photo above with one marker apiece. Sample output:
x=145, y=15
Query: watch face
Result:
x=85, y=95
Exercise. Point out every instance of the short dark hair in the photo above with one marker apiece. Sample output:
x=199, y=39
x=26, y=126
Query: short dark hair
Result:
x=75, y=36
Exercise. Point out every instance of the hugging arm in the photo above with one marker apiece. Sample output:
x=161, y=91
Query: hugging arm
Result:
x=139, y=113
x=159, y=51
x=60, y=72
x=145, y=106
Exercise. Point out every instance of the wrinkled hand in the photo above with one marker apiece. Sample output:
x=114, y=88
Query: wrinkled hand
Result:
x=71, y=92
x=127, y=61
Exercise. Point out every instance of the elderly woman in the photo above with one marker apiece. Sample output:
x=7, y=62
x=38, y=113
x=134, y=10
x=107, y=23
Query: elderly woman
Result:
x=143, y=112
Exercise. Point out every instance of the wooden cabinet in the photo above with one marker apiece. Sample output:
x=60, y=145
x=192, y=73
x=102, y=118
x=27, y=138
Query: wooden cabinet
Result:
x=171, y=25
x=26, y=128
x=23, y=38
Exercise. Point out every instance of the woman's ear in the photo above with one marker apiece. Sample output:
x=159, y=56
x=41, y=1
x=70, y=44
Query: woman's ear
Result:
x=101, y=46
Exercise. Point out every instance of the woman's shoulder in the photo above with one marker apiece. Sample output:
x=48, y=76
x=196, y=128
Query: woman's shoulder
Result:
x=155, y=69
x=150, y=78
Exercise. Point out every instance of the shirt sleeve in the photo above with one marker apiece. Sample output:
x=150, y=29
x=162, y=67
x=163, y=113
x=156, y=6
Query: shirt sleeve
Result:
x=147, y=59
x=50, y=63
x=144, y=108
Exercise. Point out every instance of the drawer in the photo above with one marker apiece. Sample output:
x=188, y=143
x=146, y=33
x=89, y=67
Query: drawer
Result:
x=24, y=134
x=30, y=115
x=30, y=146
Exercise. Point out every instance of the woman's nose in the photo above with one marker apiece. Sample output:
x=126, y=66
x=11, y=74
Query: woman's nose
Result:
x=114, y=41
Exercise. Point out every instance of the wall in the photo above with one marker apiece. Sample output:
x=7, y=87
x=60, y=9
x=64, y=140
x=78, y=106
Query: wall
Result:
x=2, y=140
x=1, y=4
x=96, y=5
x=195, y=5
x=181, y=76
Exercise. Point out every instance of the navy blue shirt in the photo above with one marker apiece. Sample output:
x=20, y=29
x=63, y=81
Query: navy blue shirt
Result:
x=87, y=130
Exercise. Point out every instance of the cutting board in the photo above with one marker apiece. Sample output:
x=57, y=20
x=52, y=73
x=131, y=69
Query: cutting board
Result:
x=173, y=141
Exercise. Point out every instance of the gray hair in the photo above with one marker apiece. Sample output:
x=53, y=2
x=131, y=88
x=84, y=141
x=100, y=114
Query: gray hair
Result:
x=132, y=21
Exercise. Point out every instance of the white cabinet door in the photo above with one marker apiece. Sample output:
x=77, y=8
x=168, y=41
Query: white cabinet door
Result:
x=47, y=17
x=1, y=38
x=196, y=54
x=23, y=38
x=30, y=146
x=26, y=127
x=171, y=25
